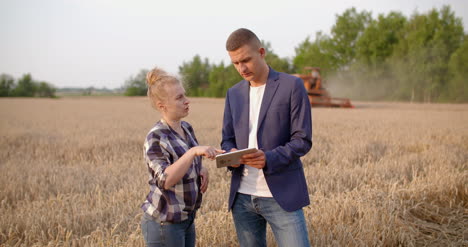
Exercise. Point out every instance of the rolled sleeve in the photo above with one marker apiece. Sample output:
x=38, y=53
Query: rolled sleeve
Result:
x=158, y=159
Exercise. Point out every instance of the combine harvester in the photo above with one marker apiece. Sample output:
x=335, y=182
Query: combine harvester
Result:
x=319, y=96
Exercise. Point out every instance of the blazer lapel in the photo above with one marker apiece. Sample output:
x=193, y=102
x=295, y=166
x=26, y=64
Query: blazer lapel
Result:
x=270, y=90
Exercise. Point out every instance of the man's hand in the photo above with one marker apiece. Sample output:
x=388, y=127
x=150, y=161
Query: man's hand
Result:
x=205, y=177
x=256, y=159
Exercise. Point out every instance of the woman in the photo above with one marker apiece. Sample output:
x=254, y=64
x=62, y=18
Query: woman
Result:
x=173, y=158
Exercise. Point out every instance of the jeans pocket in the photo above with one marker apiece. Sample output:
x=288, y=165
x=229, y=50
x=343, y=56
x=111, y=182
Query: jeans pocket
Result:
x=152, y=231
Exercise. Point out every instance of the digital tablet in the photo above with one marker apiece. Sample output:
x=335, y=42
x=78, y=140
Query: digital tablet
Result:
x=232, y=158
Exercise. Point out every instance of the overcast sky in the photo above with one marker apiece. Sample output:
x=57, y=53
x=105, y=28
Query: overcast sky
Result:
x=101, y=43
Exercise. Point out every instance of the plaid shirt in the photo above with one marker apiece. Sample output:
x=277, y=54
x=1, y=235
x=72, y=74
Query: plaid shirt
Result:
x=164, y=146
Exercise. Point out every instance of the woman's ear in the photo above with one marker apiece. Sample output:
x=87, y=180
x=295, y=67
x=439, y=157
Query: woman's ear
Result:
x=160, y=105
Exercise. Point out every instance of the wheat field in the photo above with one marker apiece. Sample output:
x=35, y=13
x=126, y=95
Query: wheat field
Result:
x=382, y=174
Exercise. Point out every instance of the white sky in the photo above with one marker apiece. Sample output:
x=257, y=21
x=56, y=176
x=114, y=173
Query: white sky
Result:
x=101, y=43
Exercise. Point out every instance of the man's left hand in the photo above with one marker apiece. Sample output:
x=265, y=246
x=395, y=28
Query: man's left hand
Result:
x=257, y=159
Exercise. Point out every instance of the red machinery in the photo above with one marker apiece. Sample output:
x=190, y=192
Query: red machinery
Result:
x=319, y=96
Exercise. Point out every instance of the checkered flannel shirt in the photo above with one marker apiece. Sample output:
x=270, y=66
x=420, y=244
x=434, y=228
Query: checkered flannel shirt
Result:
x=164, y=146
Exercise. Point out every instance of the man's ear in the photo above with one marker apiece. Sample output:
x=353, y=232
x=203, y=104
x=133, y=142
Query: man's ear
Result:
x=262, y=52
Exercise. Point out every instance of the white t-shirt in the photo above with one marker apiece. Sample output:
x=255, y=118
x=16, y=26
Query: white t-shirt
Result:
x=253, y=181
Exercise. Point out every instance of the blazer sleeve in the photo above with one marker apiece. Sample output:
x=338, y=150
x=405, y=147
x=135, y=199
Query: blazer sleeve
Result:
x=300, y=141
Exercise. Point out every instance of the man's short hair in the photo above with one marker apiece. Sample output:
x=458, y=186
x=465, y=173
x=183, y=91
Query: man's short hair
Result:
x=240, y=37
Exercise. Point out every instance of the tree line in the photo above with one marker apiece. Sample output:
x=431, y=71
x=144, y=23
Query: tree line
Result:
x=422, y=58
x=25, y=86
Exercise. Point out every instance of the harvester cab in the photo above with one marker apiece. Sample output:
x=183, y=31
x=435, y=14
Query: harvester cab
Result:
x=318, y=95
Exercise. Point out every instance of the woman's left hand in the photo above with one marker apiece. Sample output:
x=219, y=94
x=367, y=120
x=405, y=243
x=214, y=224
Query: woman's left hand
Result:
x=205, y=178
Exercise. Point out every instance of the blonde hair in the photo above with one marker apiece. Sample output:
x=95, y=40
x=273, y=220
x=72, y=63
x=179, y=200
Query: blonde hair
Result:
x=157, y=80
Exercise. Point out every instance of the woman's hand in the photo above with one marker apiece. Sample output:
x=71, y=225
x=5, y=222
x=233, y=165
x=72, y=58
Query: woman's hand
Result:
x=207, y=151
x=205, y=178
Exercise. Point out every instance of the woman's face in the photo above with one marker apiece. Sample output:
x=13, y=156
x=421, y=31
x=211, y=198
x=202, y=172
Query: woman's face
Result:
x=176, y=104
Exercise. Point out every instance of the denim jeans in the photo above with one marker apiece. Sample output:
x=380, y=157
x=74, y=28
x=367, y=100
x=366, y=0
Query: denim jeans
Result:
x=158, y=234
x=251, y=213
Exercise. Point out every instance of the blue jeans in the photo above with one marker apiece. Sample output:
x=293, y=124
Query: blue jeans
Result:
x=168, y=234
x=251, y=213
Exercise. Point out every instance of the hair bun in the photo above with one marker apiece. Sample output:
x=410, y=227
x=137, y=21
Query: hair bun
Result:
x=155, y=75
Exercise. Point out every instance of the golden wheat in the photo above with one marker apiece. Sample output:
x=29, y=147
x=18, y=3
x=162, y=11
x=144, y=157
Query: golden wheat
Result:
x=383, y=174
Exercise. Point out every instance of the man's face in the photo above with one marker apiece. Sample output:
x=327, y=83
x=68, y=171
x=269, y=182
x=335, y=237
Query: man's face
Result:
x=249, y=62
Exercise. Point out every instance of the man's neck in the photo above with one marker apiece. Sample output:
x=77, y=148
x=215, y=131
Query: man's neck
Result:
x=263, y=79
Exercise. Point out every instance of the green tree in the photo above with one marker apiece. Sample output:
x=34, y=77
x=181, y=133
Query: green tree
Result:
x=335, y=52
x=7, y=83
x=457, y=89
x=369, y=77
x=195, y=75
x=45, y=90
x=221, y=79
x=346, y=32
x=420, y=60
x=25, y=87
x=317, y=54
x=136, y=86
x=274, y=61
x=378, y=40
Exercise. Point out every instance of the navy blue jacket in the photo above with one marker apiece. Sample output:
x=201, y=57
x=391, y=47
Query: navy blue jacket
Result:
x=284, y=134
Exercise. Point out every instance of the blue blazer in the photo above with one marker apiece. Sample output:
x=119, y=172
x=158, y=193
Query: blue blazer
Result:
x=284, y=134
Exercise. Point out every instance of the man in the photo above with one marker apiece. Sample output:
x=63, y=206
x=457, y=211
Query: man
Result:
x=269, y=111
